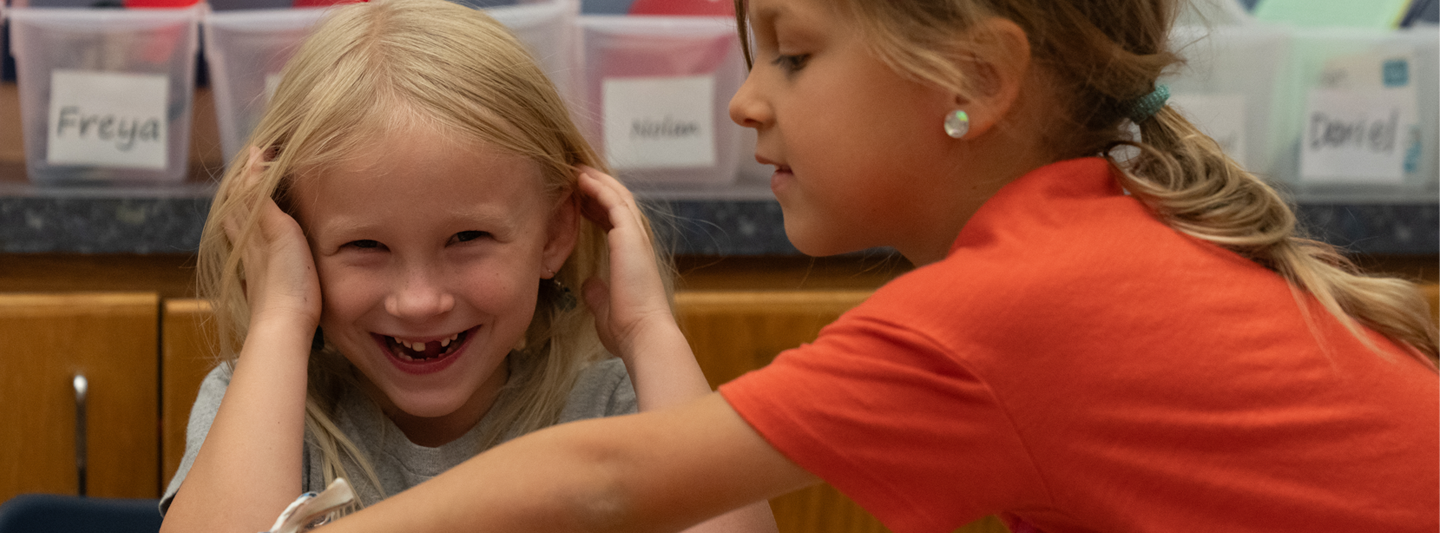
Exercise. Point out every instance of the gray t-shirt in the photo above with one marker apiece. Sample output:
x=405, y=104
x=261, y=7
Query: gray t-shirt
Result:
x=602, y=389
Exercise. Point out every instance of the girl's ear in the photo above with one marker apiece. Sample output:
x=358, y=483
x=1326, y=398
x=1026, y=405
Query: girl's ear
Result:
x=561, y=232
x=996, y=72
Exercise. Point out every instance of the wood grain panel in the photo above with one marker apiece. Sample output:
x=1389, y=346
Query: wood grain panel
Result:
x=186, y=355
x=110, y=338
x=733, y=332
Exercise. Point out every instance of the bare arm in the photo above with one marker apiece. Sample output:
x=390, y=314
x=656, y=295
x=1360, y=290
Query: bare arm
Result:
x=247, y=470
x=656, y=471
x=635, y=322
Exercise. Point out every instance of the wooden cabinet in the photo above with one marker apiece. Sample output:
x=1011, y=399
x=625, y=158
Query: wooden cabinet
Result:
x=144, y=356
x=48, y=340
x=186, y=355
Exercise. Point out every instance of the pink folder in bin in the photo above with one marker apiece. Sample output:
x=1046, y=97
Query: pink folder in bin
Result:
x=683, y=7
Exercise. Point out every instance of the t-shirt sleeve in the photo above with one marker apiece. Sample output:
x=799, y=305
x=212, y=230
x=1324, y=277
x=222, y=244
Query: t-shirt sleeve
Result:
x=202, y=414
x=893, y=420
x=603, y=389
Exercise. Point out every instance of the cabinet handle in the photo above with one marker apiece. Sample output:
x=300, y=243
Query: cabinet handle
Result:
x=82, y=386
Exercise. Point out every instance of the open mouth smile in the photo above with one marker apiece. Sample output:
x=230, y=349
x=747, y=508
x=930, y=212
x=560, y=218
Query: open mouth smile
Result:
x=423, y=355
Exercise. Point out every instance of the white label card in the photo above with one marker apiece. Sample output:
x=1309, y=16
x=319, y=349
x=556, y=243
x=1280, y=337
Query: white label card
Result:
x=1357, y=136
x=659, y=122
x=1221, y=116
x=107, y=119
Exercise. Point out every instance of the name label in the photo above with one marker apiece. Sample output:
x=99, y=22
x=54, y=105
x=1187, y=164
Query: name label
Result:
x=1361, y=122
x=663, y=122
x=1356, y=136
x=108, y=119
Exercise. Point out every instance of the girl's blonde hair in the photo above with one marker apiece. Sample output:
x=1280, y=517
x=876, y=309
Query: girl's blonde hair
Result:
x=387, y=64
x=1101, y=56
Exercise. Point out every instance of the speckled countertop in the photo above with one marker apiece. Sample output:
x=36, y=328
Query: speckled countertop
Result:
x=743, y=220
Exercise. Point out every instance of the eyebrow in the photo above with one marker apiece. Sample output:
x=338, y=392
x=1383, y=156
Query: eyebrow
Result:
x=766, y=13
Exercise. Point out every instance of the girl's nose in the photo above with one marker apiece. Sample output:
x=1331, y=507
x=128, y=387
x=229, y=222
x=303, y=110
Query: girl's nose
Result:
x=746, y=107
x=419, y=296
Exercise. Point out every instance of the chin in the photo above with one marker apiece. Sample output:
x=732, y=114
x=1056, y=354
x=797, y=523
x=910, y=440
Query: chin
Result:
x=811, y=246
x=429, y=405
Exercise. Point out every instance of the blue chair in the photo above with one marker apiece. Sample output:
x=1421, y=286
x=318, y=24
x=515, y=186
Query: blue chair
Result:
x=51, y=513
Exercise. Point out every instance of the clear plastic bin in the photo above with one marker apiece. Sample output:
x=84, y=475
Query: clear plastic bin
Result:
x=1377, y=89
x=245, y=51
x=548, y=29
x=1233, y=87
x=105, y=95
x=657, y=93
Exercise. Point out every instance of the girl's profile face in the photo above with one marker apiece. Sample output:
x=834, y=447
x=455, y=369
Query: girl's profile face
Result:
x=430, y=252
x=857, y=147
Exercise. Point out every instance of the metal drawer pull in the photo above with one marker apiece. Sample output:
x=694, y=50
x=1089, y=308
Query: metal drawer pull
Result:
x=81, y=387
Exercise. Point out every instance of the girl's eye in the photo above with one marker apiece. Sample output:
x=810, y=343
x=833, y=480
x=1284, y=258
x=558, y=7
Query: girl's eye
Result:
x=791, y=63
x=364, y=244
x=466, y=236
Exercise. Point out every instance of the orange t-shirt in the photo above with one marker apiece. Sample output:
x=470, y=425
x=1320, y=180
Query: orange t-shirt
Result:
x=1079, y=366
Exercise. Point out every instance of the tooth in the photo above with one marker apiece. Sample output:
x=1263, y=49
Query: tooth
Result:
x=445, y=343
x=419, y=346
x=404, y=357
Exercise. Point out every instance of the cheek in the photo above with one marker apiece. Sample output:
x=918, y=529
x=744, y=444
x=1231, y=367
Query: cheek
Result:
x=346, y=294
x=504, y=293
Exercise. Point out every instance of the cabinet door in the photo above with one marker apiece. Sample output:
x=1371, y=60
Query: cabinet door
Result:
x=733, y=332
x=46, y=340
x=186, y=355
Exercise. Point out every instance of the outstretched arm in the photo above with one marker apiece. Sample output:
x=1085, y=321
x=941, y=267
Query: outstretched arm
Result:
x=247, y=470
x=634, y=319
x=657, y=471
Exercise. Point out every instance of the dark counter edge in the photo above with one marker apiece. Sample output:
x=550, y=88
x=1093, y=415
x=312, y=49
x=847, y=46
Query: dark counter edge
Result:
x=171, y=224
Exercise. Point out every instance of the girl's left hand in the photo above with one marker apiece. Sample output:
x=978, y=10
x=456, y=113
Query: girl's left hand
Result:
x=632, y=305
x=280, y=277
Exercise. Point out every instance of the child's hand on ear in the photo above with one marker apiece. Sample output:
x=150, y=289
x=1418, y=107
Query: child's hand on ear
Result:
x=632, y=304
x=280, y=279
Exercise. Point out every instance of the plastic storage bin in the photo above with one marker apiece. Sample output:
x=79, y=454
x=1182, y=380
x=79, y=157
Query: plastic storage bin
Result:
x=245, y=51
x=1366, y=113
x=548, y=29
x=1233, y=87
x=105, y=95
x=657, y=93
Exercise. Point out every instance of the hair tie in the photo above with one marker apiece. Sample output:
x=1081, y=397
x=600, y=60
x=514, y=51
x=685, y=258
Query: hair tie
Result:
x=1147, y=106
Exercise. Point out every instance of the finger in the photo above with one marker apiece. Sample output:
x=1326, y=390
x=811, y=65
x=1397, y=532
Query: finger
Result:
x=626, y=199
x=591, y=208
x=604, y=193
x=248, y=179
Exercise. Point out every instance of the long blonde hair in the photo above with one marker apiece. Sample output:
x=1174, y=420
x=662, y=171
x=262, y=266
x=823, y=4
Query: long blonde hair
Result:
x=450, y=66
x=1102, y=55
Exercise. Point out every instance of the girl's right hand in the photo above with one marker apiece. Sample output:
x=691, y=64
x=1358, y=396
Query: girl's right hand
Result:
x=632, y=303
x=279, y=272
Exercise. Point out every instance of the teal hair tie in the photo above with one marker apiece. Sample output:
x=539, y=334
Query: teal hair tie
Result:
x=1147, y=106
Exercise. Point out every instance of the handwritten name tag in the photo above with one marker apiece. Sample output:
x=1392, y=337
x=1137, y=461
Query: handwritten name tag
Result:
x=1357, y=136
x=1361, y=121
x=659, y=122
x=108, y=119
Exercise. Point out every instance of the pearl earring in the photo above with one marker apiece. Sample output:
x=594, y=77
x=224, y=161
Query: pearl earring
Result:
x=957, y=123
